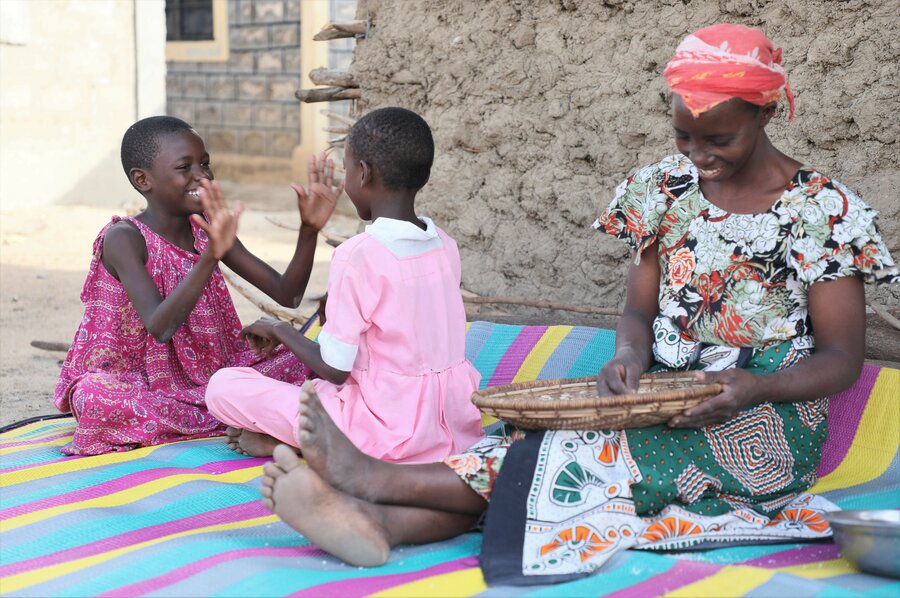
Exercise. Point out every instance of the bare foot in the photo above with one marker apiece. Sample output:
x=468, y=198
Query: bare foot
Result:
x=252, y=444
x=348, y=528
x=329, y=452
x=232, y=436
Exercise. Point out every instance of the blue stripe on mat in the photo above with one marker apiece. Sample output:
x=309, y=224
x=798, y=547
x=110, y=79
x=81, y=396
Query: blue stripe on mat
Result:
x=598, y=351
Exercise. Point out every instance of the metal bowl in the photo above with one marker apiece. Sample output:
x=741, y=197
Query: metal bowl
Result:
x=869, y=539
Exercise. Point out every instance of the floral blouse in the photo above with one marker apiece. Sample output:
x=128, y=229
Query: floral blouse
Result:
x=741, y=280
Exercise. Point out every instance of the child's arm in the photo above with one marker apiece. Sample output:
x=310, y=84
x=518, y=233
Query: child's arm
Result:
x=125, y=257
x=266, y=333
x=315, y=208
x=634, y=333
x=837, y=312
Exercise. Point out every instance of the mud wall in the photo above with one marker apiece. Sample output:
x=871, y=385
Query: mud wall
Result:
x=540, y=107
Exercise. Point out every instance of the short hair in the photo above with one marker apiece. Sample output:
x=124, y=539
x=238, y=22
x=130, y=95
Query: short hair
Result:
x=396, y=142
x=140, y=144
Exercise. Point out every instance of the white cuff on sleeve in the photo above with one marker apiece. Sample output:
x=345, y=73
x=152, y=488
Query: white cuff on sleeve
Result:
x=337, y=353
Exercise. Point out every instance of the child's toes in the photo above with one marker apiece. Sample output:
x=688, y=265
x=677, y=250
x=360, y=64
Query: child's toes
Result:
x=272, y=470
x=269, y=504
x=286, y=458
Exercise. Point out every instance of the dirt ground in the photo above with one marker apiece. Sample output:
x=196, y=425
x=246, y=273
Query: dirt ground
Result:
x=44, y=256
x=45, y=252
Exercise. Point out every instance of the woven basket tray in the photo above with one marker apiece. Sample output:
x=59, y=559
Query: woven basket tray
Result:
x=573, y=404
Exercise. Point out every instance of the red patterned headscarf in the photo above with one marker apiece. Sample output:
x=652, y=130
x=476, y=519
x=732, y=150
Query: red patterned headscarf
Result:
x=714, y=64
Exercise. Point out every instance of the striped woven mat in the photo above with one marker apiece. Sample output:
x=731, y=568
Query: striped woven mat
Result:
x=185, y=519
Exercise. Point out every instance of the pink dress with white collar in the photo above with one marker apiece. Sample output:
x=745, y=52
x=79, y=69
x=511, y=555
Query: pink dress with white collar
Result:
x=395, y=321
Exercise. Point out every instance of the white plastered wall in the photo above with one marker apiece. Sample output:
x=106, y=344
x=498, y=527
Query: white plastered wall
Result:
x=73, y=76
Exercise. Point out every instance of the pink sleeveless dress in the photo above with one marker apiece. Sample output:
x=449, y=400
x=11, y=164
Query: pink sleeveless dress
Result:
x=127, y=390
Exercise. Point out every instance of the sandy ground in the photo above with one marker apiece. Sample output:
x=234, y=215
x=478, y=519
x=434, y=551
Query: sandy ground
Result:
x=44, y=255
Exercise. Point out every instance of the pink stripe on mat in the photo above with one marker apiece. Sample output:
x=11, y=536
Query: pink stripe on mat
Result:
x=681, y=574
x=845, y=411
x=155, y=584
x=227, y=515
x=511, y=361
x=811, y=553
x=125, y=482
x=363, y=586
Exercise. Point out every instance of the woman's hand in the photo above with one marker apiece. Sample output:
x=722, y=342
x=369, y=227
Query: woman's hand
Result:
x=262, y=336
x=317, y=205
x=740, y=390
x=621, y=374
x=223, y=221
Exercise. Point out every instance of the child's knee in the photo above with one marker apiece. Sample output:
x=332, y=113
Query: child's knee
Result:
x=225, y=385
x=95, y=393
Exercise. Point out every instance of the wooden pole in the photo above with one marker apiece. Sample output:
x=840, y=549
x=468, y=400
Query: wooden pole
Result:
x=339, y=30
x=334, y=77
x=328, y=94
x=601, y=311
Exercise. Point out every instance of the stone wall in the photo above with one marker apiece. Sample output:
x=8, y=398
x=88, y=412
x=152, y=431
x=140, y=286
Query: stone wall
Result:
x=246, y=105
x=540, y=107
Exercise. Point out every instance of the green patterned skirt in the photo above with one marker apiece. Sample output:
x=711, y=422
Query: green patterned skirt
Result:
x=761, y=459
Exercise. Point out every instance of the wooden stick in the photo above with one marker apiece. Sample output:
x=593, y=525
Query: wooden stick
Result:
x=884, y=313
x=337, y=130
x=339, y=30
x=347, y=120
x=334, y=77
x=265, y=305
x=603, y=311
x=328, y=94
x=50, y=346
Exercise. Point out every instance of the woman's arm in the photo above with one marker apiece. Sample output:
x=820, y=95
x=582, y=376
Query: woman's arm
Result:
x=315, y=208
x=838, y=315
x=634, y=333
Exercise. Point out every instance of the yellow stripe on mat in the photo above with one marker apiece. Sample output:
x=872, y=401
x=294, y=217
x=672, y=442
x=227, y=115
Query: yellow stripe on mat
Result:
x=876, y=441
x=729, y=581
x=44, y=574
x=27, y=447
x=541, y=352
x=131, y=495
x=822, y=569
x=465, y=582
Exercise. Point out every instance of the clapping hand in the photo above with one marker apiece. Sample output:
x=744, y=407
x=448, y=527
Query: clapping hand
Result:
x=317, y=204
x=221, y=229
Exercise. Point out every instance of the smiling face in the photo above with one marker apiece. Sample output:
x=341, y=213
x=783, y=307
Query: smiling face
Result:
x=721, y=140
x=173, y=179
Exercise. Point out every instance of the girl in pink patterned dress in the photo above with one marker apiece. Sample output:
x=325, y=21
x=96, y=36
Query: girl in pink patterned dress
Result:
x=391, y=355
x=158, y=318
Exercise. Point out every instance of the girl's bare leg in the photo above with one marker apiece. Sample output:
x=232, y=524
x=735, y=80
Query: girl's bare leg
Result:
x=335, y=459
x=356, y=531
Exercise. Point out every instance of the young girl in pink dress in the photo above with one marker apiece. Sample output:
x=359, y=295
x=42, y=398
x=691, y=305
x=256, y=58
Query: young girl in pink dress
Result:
x=158, y=318
x=391, y=355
